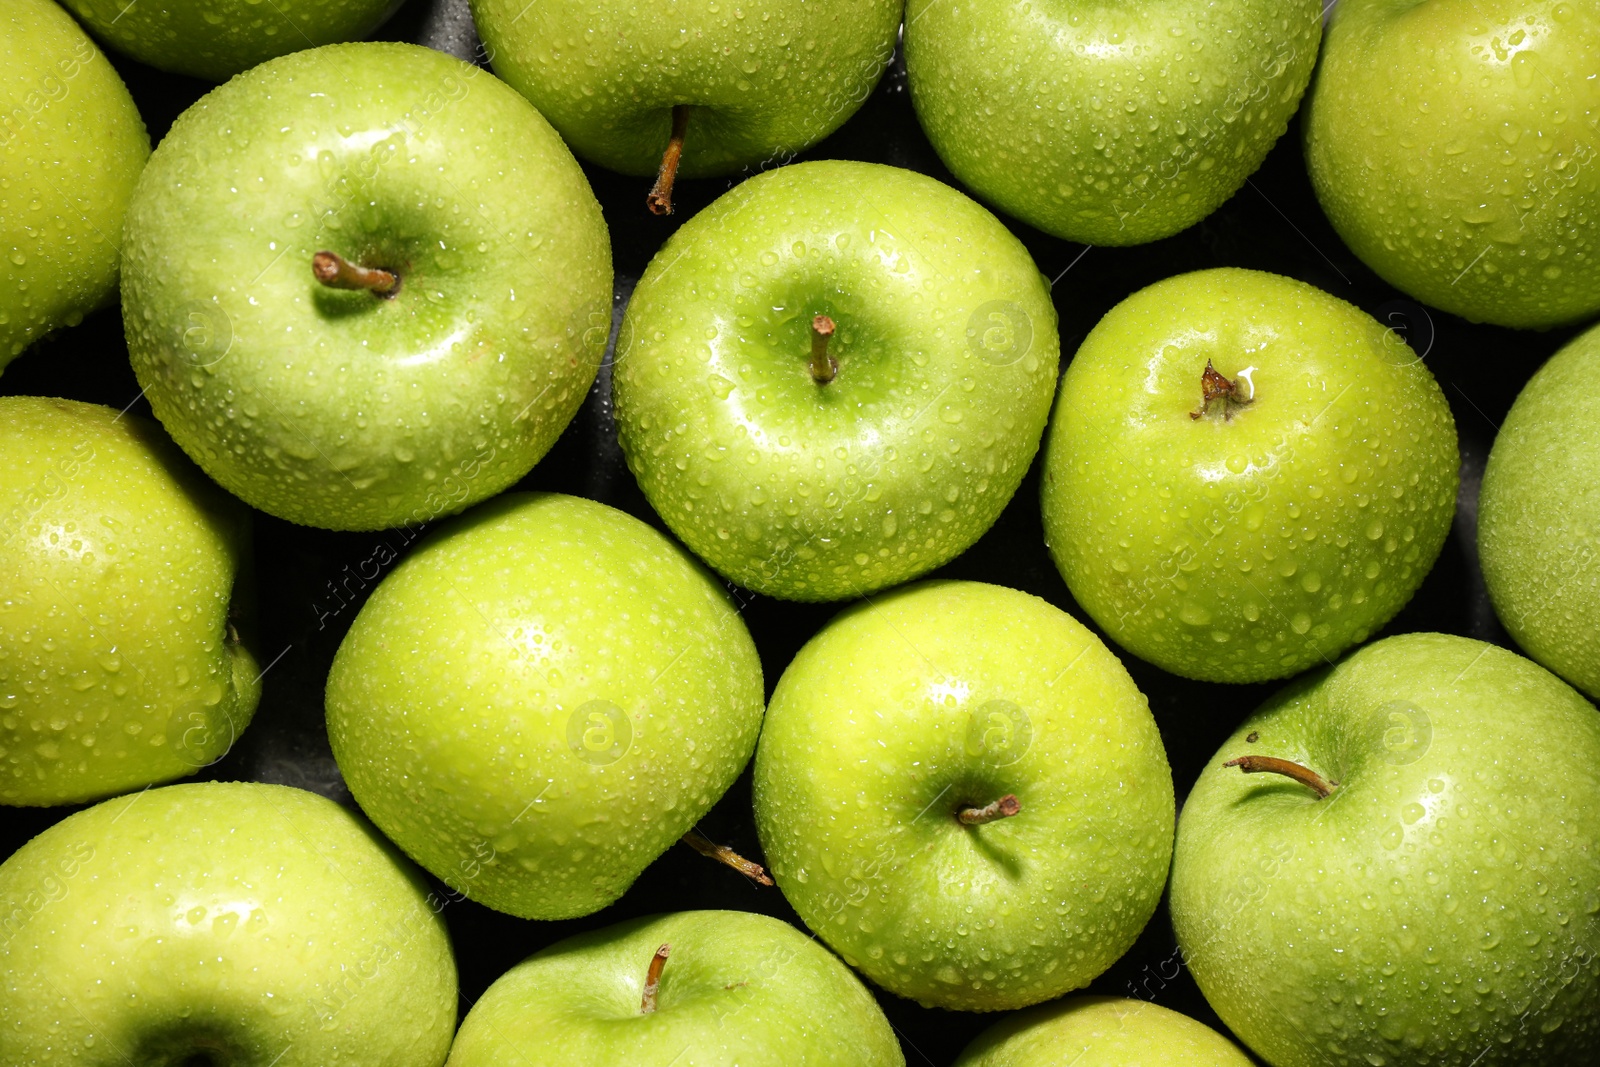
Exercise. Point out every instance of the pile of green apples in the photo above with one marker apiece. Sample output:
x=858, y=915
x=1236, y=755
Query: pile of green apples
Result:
x=750, y=506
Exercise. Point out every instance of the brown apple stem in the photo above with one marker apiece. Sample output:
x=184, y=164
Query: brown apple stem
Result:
x=1003, y=808
x=1213, y=388
x=652, y=979
x=1273, y=765
x=336, y=272
x=725, y=855
x=824, y=368
x=660, y=198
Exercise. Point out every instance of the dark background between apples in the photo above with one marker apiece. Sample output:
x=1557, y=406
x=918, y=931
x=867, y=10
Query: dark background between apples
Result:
x=310, y=583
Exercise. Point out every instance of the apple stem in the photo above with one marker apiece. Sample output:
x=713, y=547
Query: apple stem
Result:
x=824, y=368
x=725, y=855
x=1003, y=808
x=1273, y=765
x=652, y=979
x=1214, y=387
x=660, y=198
x=336, y=272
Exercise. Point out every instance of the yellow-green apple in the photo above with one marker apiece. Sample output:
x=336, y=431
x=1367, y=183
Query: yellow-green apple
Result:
x=120, y=664
x=1100, y=1032
x=541, y=699
x=365, y=285
x=1245, y=476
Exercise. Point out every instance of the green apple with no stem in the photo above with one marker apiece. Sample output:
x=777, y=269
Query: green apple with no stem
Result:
x=1108, y=123
x=71, y=147
x=119, y=662
x=1450, y=144
x=216, y=39
x=365, y=285
x=540, y=700
x=735, y=83
x=1539, y=516
x=1419, y=883
x=960, y=790
x=833, y=379
x=695, y=987
x=1245, y=476
x=220, y=925
x=1100, y=1032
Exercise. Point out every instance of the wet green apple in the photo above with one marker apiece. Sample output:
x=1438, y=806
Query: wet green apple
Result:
x=365, y=285
x=119, y=662
x=71, y=147
x=833, y=379
x=540, y=700
x=696, y=987
x=1245, y=476
x=1108, y=123
x=220, y=924
x=733, y=84
x=1450, y=143
x=216, y=39
x=1539, y=516
x=1100, y=1032
x=1408, y=871
x=963, y=793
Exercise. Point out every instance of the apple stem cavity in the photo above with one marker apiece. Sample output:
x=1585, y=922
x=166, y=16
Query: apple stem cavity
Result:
x=1213, y=388
x=725, y=855
x=1273, y=765
x=652, y=979
x=824, y=368
x=1003, y=808
x=336, y=272
x=660, y=198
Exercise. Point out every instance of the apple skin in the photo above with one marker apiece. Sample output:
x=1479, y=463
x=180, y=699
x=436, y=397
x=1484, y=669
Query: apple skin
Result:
x=220, y=923
x=1447, y=144
x=764, y=79
x=72, y=145
x=909, y=707
x=341, y=409
x=1539, y=516
x=1100, y=1032
x=542, y=699
x=737, y=988
x=119, y=665
x=216, y=39
x=1249, y=547
x=947, y=349
x=1442, y=906
x=1108, y=123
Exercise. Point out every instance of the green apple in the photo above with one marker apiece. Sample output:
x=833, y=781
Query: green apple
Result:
x=119, y=662
x=1450, y=143
x=540, y=700
x=721, y=85
x=216, y=39
x=960, y=789
x=278, y=198
x=1539, y=516
x=1245, y=476
x=1100, y=1032
x=833, y=379
x=695, y=987
x=1422, y=885
x=220, y=925
x=1108, y=123
x=71, y=147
